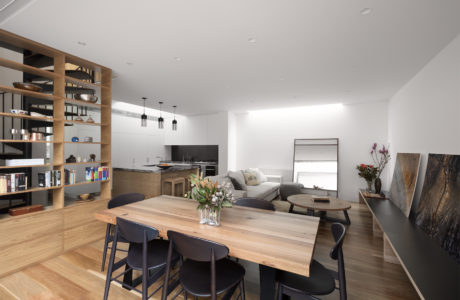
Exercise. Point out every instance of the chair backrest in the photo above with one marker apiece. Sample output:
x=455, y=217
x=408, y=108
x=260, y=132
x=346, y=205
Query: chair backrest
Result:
x=255, y=203
x=124, y=199
x=338, y=232
x=195, y=248
x=134, y=232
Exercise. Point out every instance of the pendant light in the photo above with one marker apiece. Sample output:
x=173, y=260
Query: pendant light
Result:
x=160, y=119
x=144, y=116
x=174, y=122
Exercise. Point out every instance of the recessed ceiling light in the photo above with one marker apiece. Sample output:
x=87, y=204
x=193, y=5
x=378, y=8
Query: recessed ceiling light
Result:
x=129, y=63
x=81, y=43
x=252, y=40
x=365, y=11
x=177, y=58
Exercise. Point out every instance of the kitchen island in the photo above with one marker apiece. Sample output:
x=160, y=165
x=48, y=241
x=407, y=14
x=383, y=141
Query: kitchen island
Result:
x=149, y=180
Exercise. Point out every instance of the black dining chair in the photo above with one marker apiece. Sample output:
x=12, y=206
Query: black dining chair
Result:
x=255, y=203
x=205, y=271
x=321, y=280
x=119, y=200
x=145, y=253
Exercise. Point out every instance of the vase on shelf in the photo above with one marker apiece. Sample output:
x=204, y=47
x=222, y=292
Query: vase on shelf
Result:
x=378, y=185
x=214, y=217
x=203, y=215
x=369, y=185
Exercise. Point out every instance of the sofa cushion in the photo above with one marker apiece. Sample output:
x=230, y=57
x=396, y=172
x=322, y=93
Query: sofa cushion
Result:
x=239, y=194
x=260, y=175
x=237, y=179
x=250, y=177
x=263, y=190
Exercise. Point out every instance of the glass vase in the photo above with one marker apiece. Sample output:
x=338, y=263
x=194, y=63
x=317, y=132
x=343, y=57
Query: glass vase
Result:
x=214, y=217
x=369, y=185
x=204, y=215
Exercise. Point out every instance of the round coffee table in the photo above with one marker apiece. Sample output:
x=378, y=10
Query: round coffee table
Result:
x=308, y=201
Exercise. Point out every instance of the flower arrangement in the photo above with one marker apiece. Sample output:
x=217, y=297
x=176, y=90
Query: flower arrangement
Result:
x=368, y=172
x=380, y=157
x=211, y=198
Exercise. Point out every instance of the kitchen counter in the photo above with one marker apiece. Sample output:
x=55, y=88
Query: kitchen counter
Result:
x=150, y=181
x=153, y=169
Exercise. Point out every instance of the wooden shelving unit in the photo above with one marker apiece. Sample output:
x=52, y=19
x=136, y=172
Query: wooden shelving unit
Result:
x=28, y=141
x=40, y=235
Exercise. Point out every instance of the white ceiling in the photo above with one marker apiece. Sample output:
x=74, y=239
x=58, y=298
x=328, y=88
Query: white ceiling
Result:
x=215, y=55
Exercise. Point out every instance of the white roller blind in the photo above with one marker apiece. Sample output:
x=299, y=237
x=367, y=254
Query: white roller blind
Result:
x=315, y=153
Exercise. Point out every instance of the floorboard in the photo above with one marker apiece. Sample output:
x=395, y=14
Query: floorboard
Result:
x=76, y=274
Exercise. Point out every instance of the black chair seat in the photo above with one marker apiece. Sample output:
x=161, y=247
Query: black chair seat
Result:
x=157, y=253
x=320, y=282
x=195, y=277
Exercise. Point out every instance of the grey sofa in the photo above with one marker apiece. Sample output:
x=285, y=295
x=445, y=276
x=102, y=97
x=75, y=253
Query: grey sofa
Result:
x=266, y=190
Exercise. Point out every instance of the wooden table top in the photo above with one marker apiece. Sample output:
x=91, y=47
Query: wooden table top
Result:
x=276, y=239
x=306, y=201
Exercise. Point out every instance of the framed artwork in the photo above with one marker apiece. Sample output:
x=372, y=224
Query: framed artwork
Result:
x=438, y=212
x=404, y=180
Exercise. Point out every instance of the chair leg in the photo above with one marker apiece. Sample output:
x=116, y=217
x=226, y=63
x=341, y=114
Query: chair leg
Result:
x=185, y=294
x=108, y=279
x=280, y=292
x=106, y=244
x=242, y=290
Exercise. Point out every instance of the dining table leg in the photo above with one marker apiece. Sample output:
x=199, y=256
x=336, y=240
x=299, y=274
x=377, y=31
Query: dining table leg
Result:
x=267, y=282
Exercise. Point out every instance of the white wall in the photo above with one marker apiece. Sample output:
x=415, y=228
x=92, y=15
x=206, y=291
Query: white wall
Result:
x=424, y=116
x=135, y=146
x=265, y=139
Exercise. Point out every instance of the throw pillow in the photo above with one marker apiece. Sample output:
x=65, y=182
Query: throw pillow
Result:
x=251, y=178
x=237, y=179
x=260, y=175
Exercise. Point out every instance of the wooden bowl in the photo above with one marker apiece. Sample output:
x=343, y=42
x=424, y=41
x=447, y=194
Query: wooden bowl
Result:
x=27, y=86
x=84, y=196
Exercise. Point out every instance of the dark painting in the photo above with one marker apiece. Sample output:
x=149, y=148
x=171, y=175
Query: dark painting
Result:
x=438, y=212
x=404, y=180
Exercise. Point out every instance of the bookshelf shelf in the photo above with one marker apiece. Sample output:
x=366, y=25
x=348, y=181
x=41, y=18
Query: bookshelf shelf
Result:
x=22, y=141
x=27, y=166
x=3, y=114
x=82, y=123
x=86, y=182
x=35, y=189
x=91, y=143
x=86, y=163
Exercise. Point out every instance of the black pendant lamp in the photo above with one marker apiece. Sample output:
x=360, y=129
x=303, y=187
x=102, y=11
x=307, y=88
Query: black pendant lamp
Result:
x=160, y=119
x=174, y=122
x=144, y=116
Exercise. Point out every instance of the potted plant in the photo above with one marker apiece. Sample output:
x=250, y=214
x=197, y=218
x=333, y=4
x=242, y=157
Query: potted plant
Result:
x=368, y=172
x=381, y=158
x=211, y=198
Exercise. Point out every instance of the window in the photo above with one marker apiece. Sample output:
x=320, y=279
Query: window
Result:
x=316, y=163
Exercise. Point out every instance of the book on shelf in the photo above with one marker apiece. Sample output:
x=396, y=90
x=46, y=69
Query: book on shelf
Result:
x=70, y=177
x=24, y=162
x=96, y=173
x=13, y=182
x=49, y=178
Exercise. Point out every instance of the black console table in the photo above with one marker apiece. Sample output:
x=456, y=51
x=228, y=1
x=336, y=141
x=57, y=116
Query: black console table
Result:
x=434, y=274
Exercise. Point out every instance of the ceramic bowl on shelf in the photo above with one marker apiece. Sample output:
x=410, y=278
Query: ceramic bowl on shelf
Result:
x=19, y=112
x=86, y=97
x=88, y=139
x=27, y=86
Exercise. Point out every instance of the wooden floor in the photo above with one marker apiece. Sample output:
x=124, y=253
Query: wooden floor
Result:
x=76, y=274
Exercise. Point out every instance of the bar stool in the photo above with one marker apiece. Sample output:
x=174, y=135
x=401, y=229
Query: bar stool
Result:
x=174, y=182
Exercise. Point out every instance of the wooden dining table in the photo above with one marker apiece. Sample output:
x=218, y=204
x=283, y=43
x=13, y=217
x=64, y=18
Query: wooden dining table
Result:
x=272, y=239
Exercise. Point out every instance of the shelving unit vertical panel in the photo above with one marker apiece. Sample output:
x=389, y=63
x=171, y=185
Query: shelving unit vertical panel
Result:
x=106, y=129
x=58, y=126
